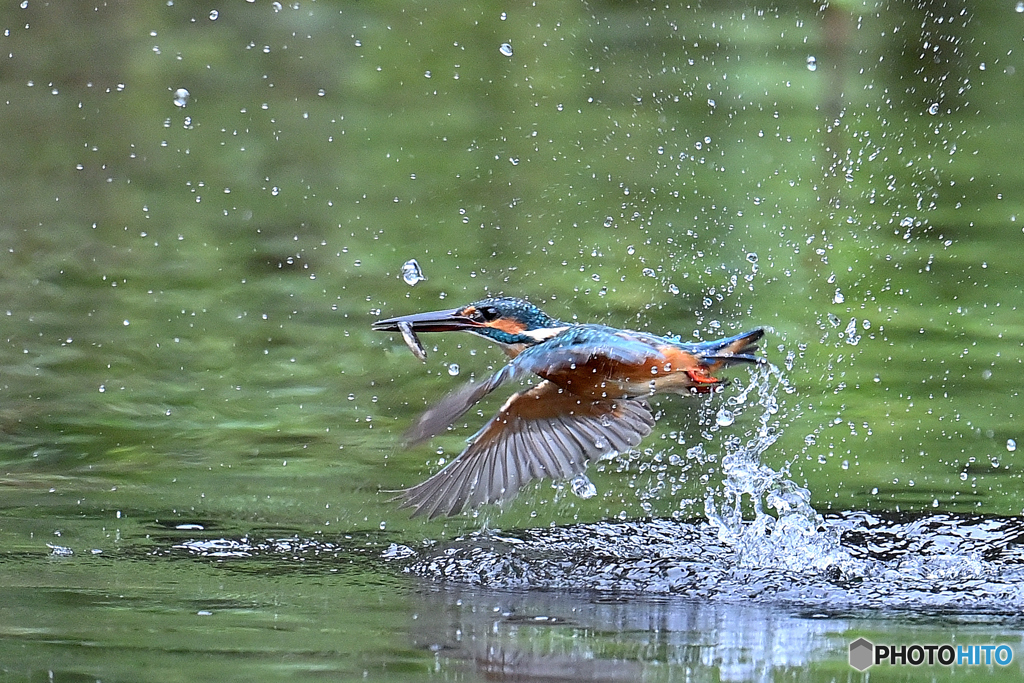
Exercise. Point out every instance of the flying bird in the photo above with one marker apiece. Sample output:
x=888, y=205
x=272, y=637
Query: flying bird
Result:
x=591, y=402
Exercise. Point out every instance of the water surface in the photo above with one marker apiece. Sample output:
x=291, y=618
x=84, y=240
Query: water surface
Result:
x=199, y=423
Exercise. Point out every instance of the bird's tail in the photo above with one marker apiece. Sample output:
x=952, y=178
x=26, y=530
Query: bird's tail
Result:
x=722, y=353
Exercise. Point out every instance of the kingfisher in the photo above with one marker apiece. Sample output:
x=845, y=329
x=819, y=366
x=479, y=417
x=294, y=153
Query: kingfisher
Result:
x=591, y=401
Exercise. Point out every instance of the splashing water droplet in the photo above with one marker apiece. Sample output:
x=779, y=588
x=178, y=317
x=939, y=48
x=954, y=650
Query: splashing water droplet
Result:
x=725, y=417
x=934, y=109
x=583, y=487
x=181, y=97
x=850, y=333
x=506, y=49
x=412, y=273
x=812, y=63
x=453, y=369
x=1011, y=445
x=838, y=297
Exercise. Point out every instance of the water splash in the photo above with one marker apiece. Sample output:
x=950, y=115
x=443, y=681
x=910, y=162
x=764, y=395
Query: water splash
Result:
x=795, y=537
x=958, y=564
x=181, y=96
x=582, y=486
x=412, y=273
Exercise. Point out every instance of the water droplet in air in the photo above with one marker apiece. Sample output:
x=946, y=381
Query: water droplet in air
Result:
x=850, y=332
x=812, y=63
x=1011, y=445
x=838, y=297
x=725, y=417
x=583, y=487
x=214, y=14
x=412, y=273
x=506, y=49
x=934, y=109
x=453, y=369
x=181, y=97
x=752, y=257
x=1020, y=8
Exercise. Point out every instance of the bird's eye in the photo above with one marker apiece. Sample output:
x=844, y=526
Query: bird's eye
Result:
x=489, y=313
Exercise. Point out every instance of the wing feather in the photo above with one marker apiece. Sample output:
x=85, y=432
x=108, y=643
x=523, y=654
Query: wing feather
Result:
x=450, y=408
x=540, y=433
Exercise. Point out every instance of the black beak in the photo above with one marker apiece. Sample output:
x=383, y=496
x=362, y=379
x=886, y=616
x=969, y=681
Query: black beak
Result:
x=432, y=321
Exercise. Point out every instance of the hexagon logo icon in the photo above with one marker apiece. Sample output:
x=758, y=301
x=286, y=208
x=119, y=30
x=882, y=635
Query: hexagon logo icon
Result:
x=862, y=654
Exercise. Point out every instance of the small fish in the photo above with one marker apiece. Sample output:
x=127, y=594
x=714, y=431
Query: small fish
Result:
x=412, y=341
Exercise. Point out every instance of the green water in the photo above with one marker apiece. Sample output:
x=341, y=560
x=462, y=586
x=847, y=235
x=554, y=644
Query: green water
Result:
x=186, y=295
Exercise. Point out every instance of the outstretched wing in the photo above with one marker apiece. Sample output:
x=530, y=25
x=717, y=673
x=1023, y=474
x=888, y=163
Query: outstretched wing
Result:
x=541, y=432
x=446, y=411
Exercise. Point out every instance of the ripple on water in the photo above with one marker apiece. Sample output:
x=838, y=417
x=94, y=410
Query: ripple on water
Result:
x=854, y=561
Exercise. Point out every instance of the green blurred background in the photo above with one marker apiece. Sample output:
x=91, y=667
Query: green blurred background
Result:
x=186, y=292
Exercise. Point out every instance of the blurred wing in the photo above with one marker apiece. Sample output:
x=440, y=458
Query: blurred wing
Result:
x=441, y=416
x=539, y=433
x=580, y=344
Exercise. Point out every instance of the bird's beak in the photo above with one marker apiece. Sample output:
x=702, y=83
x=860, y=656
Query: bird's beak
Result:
x=432, y=321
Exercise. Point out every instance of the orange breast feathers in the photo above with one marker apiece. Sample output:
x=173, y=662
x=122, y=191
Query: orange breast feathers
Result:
x=603, y=377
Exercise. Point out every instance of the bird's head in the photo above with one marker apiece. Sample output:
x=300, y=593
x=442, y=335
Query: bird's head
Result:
x=512, y=323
